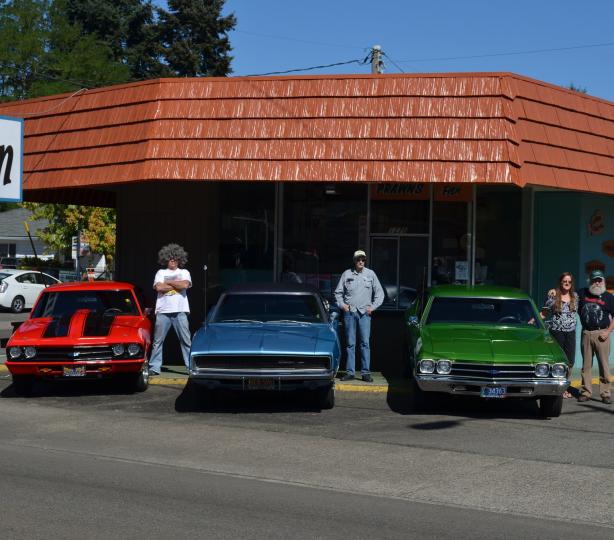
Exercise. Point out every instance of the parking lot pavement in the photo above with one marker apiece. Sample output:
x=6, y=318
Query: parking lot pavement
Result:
x=494, y=456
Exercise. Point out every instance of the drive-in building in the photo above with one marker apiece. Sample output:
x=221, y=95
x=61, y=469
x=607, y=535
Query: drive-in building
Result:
x=470, y=178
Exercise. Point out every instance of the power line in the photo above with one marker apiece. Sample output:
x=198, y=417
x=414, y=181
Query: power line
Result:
x=393, y=62
x=309, y=42
x=306, y=69
x=514, y=53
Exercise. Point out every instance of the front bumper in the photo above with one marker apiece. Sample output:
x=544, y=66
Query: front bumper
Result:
x=262, y=379
x=515, y=388
x=93, y=368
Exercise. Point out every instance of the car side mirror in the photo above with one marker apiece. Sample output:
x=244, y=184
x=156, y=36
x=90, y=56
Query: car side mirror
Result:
x=148, y=312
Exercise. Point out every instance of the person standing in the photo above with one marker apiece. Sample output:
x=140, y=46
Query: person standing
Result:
x=560, y=309
x=358, y=293
x=596, y=311
x=172, y=307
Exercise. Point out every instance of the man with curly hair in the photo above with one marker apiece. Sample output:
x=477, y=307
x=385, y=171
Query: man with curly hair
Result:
x=172, y=308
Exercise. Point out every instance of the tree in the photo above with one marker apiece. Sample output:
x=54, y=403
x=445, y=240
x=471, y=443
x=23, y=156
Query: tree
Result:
x=42, y=53
x=97, y=225
x=194, y=37
x=579, y=89
x=127, y=27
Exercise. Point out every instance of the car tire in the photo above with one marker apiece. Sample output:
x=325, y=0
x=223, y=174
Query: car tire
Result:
x=326, y=397
x=140, y=381
x=23, y=385
x=551, y=406
x=418, y=398
x=18, y=304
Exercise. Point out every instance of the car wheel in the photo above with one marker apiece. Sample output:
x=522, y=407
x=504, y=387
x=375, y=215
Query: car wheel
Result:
x=23, y=385
x=18, y=304
x=141, y=379
x=551, y=406
x=326, y=398
x=418, y=398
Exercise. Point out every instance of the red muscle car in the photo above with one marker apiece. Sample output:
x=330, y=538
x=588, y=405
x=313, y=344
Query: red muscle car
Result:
x=82, y=330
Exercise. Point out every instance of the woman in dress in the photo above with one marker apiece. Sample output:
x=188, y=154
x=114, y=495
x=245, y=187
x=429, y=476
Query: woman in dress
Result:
x=560, y=310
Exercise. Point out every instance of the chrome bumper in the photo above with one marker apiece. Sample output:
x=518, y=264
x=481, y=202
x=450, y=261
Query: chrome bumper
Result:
x=520, y=388
x=282, y=379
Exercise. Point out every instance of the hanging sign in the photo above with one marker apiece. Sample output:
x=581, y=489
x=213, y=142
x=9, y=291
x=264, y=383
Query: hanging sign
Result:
x=11, y=159
x=421, y=191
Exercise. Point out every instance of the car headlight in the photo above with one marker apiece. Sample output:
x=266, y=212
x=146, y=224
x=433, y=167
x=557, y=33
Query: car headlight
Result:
x=118, y=349
x=30, y=352
x=542, y=370
x=426, y=366
x=134, y=349
x=15, y=352
x=444, y=367
x=559, y=370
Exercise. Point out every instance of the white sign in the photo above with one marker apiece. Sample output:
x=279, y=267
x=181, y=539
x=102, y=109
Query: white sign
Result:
x=11, y=159
x=461, y=271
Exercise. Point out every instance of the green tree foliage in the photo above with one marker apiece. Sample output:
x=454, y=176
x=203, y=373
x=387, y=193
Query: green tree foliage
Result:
x=194, y=37
x=579, y=89
x=41, y=53
x=97, y=225
x=129, y=30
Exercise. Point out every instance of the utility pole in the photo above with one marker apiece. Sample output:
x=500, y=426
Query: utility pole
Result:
x=377, y=64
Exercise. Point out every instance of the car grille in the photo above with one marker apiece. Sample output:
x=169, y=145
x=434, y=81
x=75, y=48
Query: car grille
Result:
x=492, y=371
x=73, y=354
x=259, y=361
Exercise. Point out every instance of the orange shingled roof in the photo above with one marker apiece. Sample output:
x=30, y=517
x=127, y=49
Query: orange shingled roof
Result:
x=480, y=128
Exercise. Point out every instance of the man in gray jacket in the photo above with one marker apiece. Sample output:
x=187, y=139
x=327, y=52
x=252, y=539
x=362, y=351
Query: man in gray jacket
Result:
x=358, y=294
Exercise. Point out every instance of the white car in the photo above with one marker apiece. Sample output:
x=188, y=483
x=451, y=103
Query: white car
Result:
x=19, y=289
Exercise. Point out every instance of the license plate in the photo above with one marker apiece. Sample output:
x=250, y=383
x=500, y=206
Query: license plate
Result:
x=74, y=371
x=260, y=384
x=493, y=391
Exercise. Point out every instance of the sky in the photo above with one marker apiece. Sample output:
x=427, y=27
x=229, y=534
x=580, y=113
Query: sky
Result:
x=560, y=42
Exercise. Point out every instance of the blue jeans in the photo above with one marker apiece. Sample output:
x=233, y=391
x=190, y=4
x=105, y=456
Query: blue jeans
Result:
x=164, y=321
x=351, y=319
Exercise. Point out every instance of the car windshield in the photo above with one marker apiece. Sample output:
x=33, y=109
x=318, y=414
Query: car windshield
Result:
x=269, y=307
x=482, y=311
x=65, y=303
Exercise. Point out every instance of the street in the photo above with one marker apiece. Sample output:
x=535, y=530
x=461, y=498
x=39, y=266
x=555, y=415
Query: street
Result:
x=83, y=459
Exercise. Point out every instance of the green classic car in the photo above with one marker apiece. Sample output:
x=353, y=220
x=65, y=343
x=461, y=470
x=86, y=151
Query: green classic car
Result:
x=483, y=341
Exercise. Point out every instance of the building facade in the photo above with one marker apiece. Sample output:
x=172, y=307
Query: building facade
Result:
x=449, y=178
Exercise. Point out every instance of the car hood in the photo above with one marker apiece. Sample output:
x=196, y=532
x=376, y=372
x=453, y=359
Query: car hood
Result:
x=267, y=338
x=501, y=345
x=81, y=325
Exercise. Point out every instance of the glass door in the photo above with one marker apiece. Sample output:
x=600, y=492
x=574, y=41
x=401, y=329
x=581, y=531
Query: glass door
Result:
x=400, y=262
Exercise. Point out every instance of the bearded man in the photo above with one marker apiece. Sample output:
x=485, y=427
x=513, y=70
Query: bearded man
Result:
x=596, y=310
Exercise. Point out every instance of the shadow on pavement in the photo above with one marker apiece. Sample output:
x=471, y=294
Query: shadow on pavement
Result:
x=63, y=388
x=197, y=399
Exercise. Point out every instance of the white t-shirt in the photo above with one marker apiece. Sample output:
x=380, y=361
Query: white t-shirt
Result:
x=172, y=301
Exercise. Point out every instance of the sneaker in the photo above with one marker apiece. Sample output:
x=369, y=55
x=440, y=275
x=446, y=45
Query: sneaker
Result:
x=153, y=373
x=607, y=400
x=367, y=378
x=583, y=398
x=347, y=377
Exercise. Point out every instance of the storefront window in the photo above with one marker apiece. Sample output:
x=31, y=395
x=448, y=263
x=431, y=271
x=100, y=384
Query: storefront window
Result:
x=246, y=233
x=399, y=217
x=498, y=235
x=322, y=227
x=451, y=242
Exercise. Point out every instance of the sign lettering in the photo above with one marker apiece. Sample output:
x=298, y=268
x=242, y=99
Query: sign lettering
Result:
x=11, y=159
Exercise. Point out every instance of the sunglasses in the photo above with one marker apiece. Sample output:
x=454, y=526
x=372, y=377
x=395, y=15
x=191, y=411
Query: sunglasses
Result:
x=363, y=259
x=566, y=282
x=597, y=280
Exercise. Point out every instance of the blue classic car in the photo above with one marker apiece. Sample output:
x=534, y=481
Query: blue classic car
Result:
x=277, y=336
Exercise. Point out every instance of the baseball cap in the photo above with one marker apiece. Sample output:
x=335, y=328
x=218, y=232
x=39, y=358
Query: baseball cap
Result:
x=359, y=253
x=596, y=274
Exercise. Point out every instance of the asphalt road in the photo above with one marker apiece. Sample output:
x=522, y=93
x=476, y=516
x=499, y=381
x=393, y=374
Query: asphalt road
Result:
x=84, y=460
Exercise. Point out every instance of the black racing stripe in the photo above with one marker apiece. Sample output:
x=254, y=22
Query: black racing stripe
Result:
x=58, y=327
x=98, y=324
